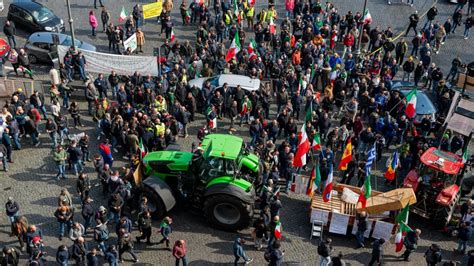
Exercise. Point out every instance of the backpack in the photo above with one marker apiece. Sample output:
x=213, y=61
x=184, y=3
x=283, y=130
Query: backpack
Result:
x=102, y=235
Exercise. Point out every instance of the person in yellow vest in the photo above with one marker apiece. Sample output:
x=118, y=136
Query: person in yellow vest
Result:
x=227, y=22
x=249, y=13
x=262, y=16
x=272, y=13
x=160, y=127
x=160, y=104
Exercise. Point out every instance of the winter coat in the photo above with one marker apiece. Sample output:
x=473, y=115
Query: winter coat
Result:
x=93, y=21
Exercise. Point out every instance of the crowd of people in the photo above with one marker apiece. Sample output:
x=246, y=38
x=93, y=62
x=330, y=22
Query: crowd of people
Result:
x=308, y=63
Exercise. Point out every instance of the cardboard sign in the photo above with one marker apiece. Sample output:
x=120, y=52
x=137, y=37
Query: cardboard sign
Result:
x=152, y=10
x=382, y=230
x=319, y=215
x=339, y=223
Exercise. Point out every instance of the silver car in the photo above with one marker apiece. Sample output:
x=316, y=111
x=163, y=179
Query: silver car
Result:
x=247, y=83
x=40, y=45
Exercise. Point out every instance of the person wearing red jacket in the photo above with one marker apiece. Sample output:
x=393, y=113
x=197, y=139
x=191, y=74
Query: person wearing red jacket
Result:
x=179, y=252
x=348, y=43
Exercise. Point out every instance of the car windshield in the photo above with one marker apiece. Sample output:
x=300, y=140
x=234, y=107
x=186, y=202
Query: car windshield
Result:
x=43, y=14
x=68, y=42
x=214, y=81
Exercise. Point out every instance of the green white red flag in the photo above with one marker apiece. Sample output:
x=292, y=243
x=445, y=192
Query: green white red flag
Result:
x=410, y=110
x=403, y=228
x=123, y=15
x=278, y=230
x=234, y=49
x=272, y=26
x=367, y=17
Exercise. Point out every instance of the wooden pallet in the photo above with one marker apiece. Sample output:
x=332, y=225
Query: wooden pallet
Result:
x=335, y=204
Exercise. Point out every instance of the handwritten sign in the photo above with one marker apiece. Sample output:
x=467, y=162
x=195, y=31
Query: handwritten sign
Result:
x=382, y=230
x=131, y=42
x=319, y=215
x=339, y=223
x=152, y=10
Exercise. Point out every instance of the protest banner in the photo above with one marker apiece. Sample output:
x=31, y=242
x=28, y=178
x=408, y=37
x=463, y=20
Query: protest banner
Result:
x=122, y=64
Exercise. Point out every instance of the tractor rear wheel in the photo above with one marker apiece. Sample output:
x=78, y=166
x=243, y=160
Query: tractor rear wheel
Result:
x=227, y=212
x=155, y=203
x=443, y=215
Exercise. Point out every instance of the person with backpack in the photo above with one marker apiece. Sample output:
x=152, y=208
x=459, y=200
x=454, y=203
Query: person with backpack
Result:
x=126, y=245
x=101, y=235
x=324, y=252
x=165, y=230
x=433, y=255
x=144, y=226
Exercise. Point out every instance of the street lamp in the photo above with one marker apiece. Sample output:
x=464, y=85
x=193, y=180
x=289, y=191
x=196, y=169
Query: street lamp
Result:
x=361, y=32
x=71, y=26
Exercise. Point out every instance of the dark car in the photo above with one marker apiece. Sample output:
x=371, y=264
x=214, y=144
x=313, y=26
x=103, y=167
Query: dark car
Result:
x=40, y=45
x=32, y=16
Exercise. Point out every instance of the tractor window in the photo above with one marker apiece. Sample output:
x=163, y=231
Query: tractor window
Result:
x=214, y=167
x=229, y=167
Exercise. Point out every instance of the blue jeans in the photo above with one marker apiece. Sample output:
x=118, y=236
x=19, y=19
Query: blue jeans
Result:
x=63, y=134
x=63, y=226
x=462, y=246
x=11, y=41
x=54, y=138
x=93, y=31
x=64, y=263
x=428, y=22
x=102, y=246
x=114, y=217
x=360, y=238
x=61, y=171
x=16, y=140
x=113, y=263
x=88, y=221
x=5, y=162
x=82, y=71
x=184, y=260
x=115, y=90
x=42, y=109
x=12, y=218
x=466, y=32
x=77, y=167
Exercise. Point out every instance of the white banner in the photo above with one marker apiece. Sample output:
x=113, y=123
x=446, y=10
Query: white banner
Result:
x=122, y=64
x=131, y=42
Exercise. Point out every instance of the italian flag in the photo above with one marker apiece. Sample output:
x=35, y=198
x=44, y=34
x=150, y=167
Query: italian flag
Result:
x=234, y=48
x=304, y=145
x=367, y=17
x=346, y=156
x=365, y=192
x=316, y=145
x=212, y=123
x=272, y=26
x=142, y=149
x=252, y=47
x=465, y=156
x=236, y=11
x=328, y=186
x=403, y=228
x=278, y=230
x=314, y=181
x=410, y=110
x=123, y=15
x=172, y=35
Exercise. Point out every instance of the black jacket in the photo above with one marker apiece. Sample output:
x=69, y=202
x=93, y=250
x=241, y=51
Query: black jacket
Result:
x=9, y=30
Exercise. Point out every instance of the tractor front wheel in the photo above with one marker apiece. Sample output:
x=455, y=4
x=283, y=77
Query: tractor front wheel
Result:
x=227, y=212
x=443, y=215
x=155, y=203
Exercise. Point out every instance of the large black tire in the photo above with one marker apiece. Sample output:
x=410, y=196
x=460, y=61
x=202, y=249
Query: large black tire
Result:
x=443, y=215
x=155, y=203
x=227, y=212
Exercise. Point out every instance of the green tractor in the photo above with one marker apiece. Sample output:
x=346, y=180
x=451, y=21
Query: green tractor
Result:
x=219, y=178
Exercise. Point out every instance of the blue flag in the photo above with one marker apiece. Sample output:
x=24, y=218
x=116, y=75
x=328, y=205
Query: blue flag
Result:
x=370, y=160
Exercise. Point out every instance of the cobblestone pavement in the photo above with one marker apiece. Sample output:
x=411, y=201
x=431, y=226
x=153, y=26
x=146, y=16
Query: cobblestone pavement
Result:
x=30, y=180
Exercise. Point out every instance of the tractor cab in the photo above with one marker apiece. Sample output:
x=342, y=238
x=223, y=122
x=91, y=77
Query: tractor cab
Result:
x=436, y=185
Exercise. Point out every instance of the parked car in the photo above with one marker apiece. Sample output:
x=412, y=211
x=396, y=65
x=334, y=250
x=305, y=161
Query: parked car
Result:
x=232, y=81
x=39, y=45
x=424, y=105
x=32, y=16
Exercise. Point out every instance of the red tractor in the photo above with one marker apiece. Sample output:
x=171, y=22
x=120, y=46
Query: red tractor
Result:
x=436, y=183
